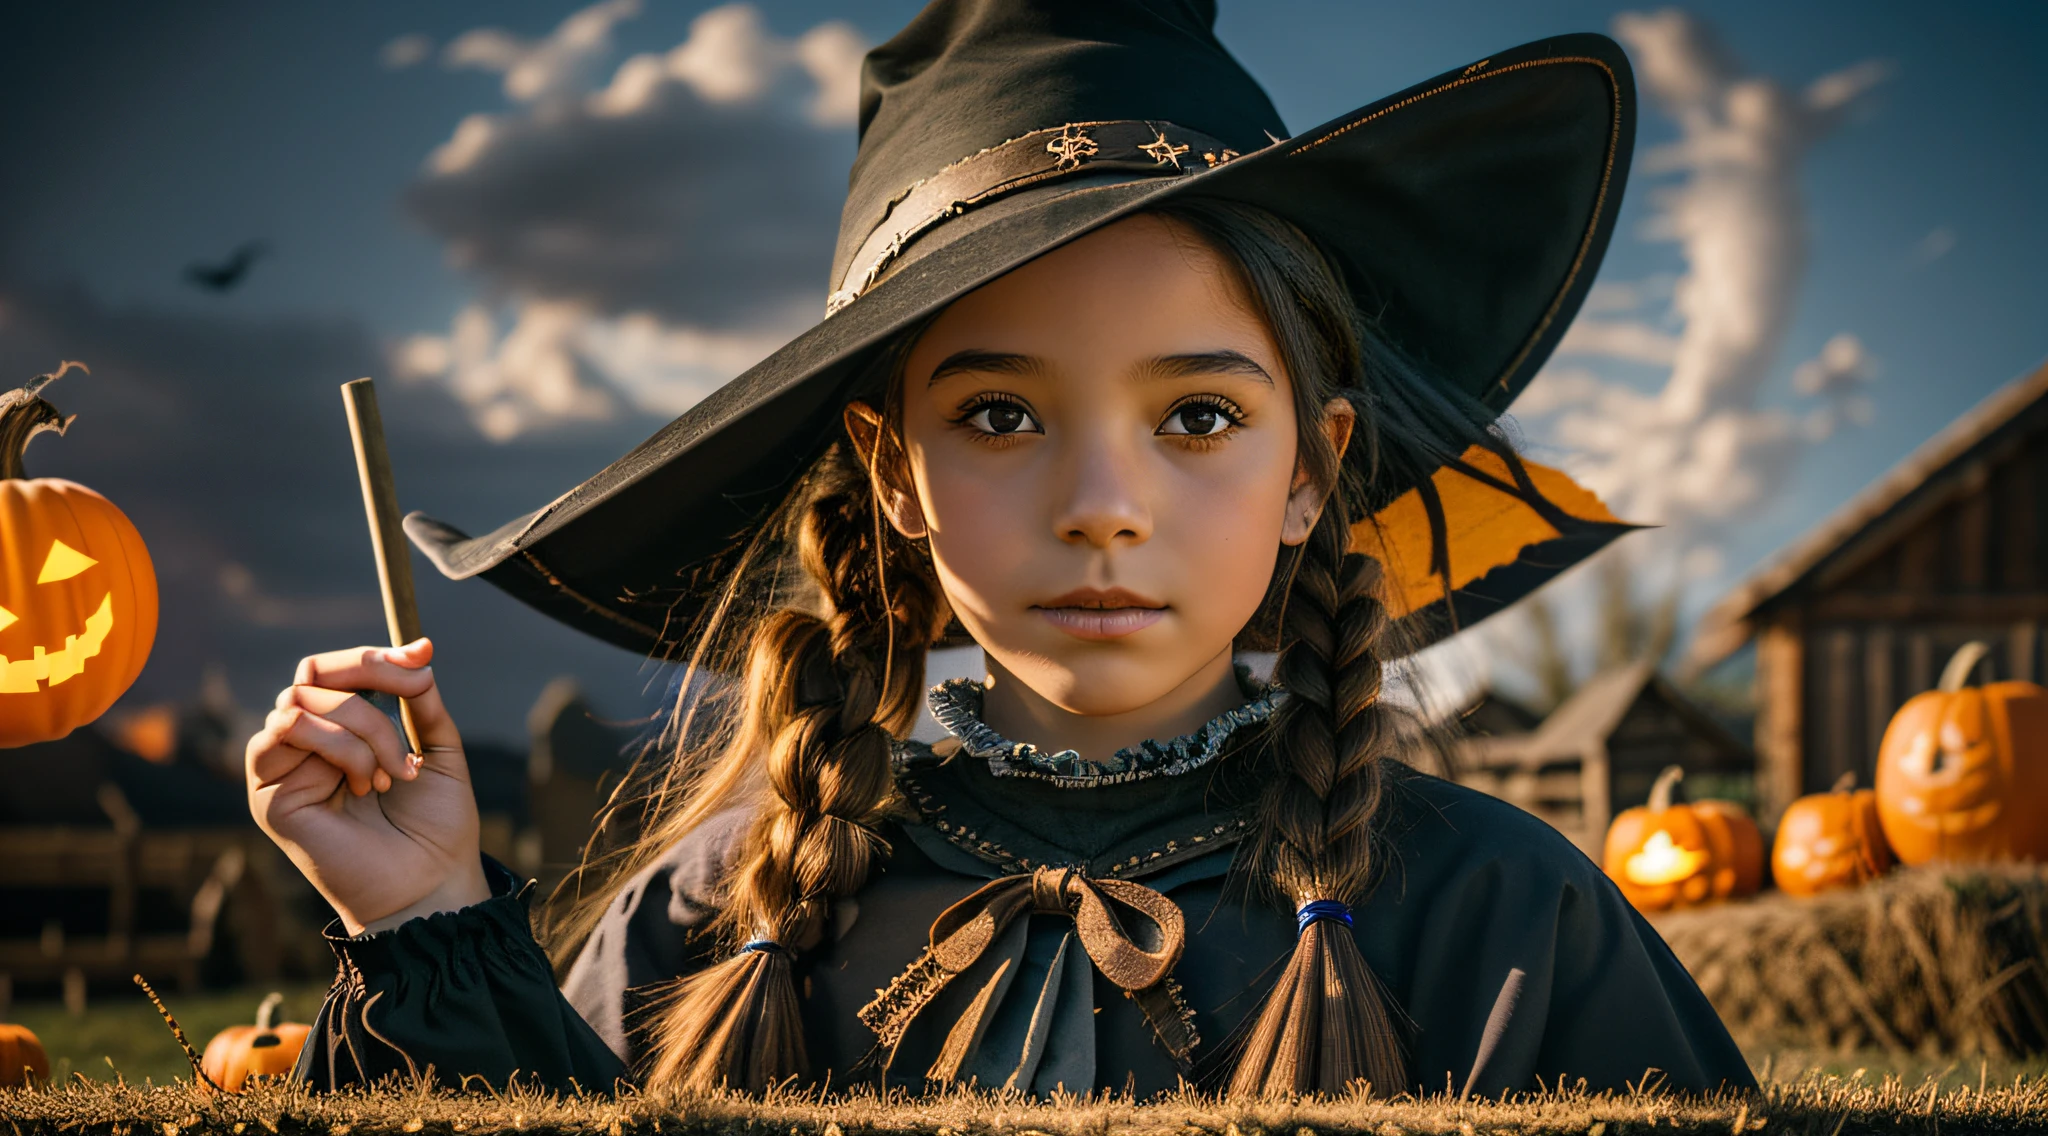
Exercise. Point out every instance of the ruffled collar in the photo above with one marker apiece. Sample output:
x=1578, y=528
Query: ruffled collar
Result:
x=956, y=704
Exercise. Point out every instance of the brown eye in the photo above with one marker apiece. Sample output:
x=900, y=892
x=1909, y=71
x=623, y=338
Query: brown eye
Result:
x=1197, y=420
x=1003, y=417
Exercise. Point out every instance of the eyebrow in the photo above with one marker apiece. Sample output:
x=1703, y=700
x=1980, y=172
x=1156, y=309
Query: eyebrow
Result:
x=1208, y=363
x=1224, y=362
x=983, y=362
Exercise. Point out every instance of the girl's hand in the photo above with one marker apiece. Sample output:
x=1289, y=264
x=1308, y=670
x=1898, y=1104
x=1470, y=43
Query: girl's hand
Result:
x=330, y=779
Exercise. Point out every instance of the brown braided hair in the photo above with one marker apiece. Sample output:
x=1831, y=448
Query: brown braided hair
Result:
x=828, y=695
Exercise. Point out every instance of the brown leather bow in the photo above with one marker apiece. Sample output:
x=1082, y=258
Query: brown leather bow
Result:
x=1105, y=911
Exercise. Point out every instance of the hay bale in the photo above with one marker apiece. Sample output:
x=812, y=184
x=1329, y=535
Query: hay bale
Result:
x=1940, y=962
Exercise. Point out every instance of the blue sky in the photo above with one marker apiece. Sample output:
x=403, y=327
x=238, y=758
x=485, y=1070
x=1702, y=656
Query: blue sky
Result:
x=143, y=137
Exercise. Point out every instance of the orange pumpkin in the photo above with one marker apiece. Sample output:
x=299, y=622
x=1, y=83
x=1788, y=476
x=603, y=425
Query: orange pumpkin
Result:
x=239, y=1053
x=1667, y=855
x=1830, y=840
x=1962, y=773
x=77, y=590
x=22, y=1060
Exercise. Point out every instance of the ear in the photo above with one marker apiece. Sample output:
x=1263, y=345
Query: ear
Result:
x=1305, y=500
x=877, y=453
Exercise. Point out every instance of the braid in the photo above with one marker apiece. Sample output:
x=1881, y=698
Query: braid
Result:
x=827, y=695
x=1326, y=1024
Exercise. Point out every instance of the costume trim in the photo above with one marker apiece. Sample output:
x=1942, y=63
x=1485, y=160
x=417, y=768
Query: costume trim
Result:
x=956, y=704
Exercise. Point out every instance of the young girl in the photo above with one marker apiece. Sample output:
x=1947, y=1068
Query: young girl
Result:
x=1118, y=382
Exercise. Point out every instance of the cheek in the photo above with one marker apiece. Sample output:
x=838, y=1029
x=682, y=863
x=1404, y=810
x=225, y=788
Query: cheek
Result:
x=981, y=528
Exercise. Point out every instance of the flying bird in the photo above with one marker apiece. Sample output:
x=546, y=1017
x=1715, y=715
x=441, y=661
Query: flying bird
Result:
x=226, y=274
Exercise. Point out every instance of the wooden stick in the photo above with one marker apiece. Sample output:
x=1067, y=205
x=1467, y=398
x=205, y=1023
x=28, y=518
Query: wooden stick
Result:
x=387, y=536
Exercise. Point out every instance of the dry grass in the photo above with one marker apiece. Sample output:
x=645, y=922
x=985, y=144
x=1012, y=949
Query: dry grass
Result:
x=1951, y=964
x=1812, y=1106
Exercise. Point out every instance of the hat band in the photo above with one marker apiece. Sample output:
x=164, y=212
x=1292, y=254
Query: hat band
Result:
x=1141, y=147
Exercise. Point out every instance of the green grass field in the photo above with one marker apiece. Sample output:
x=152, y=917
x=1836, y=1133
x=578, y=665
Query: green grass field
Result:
x=122, y=1034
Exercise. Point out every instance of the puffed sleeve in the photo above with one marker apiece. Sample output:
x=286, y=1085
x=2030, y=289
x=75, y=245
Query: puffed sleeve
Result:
x=467, y=994
x=1531, y=968
x=653, y=931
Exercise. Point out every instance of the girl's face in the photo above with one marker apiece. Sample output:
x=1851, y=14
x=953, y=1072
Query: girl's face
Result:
x=1101, y=450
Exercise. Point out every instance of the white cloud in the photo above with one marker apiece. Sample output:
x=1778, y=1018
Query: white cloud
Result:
x=405, y=51
x=1705, y=448
x=1626, y=340
x=642, y=237
x=1843, y=364
x=555, y=66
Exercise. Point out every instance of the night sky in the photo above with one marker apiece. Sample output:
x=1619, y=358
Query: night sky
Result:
x=545, y=238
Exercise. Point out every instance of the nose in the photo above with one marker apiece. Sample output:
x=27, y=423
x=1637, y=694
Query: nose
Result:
x=1104, y=502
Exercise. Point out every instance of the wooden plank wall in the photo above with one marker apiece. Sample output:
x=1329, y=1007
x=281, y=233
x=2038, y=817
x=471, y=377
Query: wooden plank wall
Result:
x=1969, y=564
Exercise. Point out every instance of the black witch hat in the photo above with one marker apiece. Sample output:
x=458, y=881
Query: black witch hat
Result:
x=1467, y=213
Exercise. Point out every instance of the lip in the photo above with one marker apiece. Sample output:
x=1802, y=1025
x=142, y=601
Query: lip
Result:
x=1101, y=613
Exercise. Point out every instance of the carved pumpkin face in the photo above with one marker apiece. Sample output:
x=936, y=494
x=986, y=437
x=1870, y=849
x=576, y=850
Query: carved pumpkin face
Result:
x=1830, y=840
x=1962, y=772
x=1667, y=855
x=78, y=602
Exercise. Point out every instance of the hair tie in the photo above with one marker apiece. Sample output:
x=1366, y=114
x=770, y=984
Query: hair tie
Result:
x=764, y=946
x=1316, y=909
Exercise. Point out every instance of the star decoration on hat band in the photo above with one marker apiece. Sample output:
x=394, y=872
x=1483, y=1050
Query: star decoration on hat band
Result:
x=1125, y=148
x=1072, y=147
x=1163, y=150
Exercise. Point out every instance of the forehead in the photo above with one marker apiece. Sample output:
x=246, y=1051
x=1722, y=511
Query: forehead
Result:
x=1140, y=288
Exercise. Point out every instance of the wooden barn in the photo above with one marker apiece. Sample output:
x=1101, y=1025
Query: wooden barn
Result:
x=1601, y=750
x=1950, y=545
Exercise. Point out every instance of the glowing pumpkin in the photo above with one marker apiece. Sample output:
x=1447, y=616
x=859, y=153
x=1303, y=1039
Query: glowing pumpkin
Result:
x=1962, y=772
x=22, y=1060
x=1667, y=854
x=1830, y=840
x=77, y=590
x=239, y=1053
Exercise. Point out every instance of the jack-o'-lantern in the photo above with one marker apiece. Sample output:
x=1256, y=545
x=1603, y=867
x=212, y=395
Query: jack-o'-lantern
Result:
x=22, y=1060
x=1962, y=773
x=1668, y=854
x=78, y=599
x=266, y=1049
x=1830, y=840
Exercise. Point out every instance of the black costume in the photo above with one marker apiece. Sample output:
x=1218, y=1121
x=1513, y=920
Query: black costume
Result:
x=1467, y=216
x=1473, y=891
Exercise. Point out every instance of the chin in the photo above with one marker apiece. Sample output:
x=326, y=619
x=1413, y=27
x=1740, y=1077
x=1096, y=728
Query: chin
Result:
x=1100, y=687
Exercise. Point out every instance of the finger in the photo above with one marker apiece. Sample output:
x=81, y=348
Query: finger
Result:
x=334, y=744
x=268, y=759
x=394, y=670
x=360, y=718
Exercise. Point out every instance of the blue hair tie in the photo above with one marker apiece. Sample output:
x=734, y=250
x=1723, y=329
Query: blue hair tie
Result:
x=765, y=946
x=1316, y=909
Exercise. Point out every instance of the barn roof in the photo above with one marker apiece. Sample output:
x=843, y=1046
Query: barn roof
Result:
x=1929, y=477
x=1592, y=714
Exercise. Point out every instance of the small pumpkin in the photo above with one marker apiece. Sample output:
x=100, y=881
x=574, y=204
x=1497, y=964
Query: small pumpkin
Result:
x=1962, y=772
x=1667, y=854
x=78, y=601
x=1830, y=840
x=22, y=1060
x=267, y=1049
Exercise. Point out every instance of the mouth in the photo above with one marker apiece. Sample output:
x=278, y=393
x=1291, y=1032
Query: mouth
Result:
x=1101, y=613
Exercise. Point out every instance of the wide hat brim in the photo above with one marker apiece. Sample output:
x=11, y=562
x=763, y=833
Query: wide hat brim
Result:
x=1469, y=214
